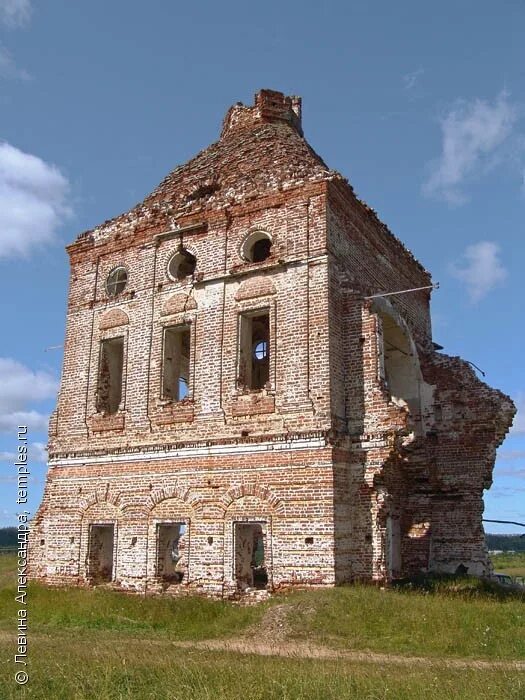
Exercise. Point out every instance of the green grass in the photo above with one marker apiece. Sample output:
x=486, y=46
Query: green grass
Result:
x=507, y=563
x=7, y=569
x=144, y=671
x=77, y=609
x=450, y=622
x=86, y=643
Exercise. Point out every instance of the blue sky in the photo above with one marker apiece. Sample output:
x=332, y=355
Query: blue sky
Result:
x=421, y=106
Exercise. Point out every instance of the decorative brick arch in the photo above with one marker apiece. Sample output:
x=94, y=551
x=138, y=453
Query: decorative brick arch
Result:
x=174, y=491
x=136, y=511
x=177, y=303
x=112, y=319
x=100, y=496
x=255, y=287
x=263, y=493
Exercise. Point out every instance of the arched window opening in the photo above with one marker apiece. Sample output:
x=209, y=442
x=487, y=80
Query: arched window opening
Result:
x=401, y=371
x=257, y=247
x=182, y=265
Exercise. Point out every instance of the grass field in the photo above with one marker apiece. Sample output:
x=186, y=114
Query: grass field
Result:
x=100, y=644
x=512, y=564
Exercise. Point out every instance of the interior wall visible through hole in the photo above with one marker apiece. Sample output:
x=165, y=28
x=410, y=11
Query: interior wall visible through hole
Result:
x=250, y=548
x=254, y=350
x=100, y=559
x=171, y=552
x=400, y=368
x=109, y=394
x=176, y=363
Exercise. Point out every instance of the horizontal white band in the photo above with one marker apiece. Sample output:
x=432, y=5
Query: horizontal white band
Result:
x=197, y=451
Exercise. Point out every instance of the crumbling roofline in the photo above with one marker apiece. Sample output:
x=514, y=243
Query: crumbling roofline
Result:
x=340, y=187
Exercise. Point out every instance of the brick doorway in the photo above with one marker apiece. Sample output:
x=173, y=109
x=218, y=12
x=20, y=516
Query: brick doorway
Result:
x=100, y=553
x=250, y=555
x=171, y=552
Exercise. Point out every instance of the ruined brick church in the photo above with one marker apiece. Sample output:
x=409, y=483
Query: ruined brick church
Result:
x=247, y=402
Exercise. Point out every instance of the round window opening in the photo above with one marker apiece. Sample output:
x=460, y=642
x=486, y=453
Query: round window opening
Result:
x=257, y=247
x=260, y=350
x=116, y=281
x=182, y=265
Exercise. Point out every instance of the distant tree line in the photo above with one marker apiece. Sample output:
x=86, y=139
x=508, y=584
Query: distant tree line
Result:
x=506, y=542
x=7, y=537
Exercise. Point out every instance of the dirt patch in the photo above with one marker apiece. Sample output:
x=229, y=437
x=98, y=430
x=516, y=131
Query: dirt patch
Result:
x=273, y=625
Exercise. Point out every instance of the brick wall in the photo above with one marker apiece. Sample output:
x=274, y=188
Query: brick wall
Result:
x=344, y=478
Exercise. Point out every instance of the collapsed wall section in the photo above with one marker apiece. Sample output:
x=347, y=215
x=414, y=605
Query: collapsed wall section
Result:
x=417, y=430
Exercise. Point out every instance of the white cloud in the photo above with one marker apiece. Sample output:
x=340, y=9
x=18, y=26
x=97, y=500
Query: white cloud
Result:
x=14, y=13
x=480, y=269
x=9, y=69
x=36, y=453
x=410, y=79
x=33, y=201
x=472, y=133
x=20, y=387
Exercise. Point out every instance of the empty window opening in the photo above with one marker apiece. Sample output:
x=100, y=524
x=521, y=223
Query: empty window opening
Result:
x=116, y=281
x=250, y=565
x=261, y=250
x=400, y=364
x=254, y=350
x=171, y=552
x=308, y=540
x=182, y=265
x=257, y=247
x=111, y=362
x=100, y=557
x=176, y=368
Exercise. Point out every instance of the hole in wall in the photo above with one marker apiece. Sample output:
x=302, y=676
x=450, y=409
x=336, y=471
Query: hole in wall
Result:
x=182, y=265
x=111, y=362
x=176, y=361
x=257, y=247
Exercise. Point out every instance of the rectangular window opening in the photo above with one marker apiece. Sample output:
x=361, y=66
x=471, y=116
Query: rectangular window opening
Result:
x=100, y=558
x=171, y=552
x=254, y=350
x=111, y=362
x=176, y=363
